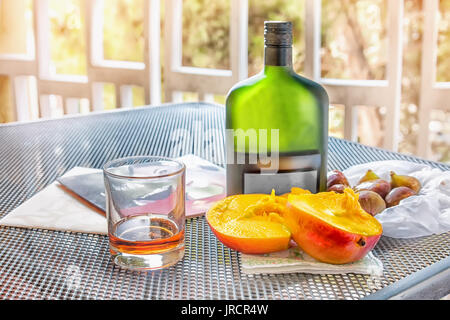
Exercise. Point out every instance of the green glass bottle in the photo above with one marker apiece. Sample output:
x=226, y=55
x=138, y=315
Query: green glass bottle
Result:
x=277, y=125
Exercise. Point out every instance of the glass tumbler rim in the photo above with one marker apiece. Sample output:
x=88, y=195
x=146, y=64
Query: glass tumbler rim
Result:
x=108, y=164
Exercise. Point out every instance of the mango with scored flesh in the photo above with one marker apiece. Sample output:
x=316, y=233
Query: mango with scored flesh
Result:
x=251, y=224
x=332, y=227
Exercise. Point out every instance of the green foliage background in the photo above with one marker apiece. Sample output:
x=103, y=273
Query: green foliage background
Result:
x=354, y=46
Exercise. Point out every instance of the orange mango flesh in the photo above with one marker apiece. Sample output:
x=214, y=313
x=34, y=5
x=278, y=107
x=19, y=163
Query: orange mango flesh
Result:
x=341, y=211
x=250, y=224
x=330, y=227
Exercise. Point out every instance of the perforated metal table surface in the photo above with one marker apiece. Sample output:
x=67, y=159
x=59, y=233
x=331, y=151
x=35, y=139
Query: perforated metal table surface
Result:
x=42, y=264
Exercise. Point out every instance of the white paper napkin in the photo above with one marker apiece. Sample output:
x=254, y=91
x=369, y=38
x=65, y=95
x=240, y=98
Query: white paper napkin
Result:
x=55, y=209
x=295, y=260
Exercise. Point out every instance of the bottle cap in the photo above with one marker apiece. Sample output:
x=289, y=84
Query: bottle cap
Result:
x=278, y=33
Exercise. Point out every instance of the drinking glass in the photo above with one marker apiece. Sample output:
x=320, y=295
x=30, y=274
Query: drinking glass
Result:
x=145, y=209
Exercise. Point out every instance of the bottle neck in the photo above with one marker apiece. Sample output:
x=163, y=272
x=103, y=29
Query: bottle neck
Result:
x=278, y=56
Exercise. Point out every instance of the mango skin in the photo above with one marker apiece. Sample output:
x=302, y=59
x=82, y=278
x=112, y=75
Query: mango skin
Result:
x=325, y=242
x=244, y=243
x=252, y=246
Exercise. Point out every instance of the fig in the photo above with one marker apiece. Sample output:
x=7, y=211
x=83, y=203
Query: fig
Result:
x=371, y=202
x=336, y=177
x=369, y=176
x=380, y=186
x=398, y=194
x=405, y=181
x=339, y=188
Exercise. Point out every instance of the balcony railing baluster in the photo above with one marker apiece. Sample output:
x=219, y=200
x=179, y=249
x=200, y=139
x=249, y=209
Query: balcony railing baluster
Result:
x=208, y=82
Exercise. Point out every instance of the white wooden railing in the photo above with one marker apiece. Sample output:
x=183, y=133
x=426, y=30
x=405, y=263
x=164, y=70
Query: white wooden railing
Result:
x=71, y=88
x=353, y=93
x=207, y=82
x=433, y=95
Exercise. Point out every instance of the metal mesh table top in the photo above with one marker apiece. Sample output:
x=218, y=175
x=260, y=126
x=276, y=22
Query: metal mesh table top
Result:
x=43, y=264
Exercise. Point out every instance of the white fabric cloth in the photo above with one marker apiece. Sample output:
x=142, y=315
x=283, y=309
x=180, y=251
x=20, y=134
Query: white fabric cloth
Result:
x=422, y=215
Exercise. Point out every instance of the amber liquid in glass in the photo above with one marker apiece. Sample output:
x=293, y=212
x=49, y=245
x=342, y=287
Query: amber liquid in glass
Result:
x=145, y=235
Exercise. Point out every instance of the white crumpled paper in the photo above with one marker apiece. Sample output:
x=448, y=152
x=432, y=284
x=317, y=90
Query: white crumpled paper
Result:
x=418, y=216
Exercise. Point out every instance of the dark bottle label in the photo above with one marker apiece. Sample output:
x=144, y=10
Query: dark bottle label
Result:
x=301, y=171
